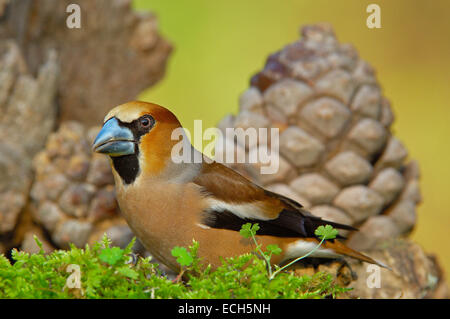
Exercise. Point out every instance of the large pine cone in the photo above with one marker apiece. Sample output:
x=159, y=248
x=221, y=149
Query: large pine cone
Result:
x=73, y=195
x=337, y=155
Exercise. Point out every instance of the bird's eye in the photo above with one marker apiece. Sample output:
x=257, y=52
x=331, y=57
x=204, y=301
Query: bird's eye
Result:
x=145, y=122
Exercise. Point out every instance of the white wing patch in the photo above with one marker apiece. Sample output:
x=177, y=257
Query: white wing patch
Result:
x=249, y=210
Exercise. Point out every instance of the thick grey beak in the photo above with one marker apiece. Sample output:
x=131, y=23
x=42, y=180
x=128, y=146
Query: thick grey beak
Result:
x=114, y=140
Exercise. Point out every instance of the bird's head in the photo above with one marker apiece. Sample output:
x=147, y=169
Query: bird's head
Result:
x=137, y=137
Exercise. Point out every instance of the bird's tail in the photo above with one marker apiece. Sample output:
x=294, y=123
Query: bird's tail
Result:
x=314, y=221
x=341, y=249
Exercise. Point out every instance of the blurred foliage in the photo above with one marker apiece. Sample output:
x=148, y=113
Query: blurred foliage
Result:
x=220, y=44
x=109, y=272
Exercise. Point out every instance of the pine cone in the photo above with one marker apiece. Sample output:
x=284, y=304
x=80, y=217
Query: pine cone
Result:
x=73, y=195
x=338, y=156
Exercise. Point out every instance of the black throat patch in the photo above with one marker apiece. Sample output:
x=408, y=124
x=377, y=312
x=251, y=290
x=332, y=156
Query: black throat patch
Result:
x=127, y=167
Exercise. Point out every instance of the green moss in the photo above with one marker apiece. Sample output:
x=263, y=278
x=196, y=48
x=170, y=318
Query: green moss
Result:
x=106, y=272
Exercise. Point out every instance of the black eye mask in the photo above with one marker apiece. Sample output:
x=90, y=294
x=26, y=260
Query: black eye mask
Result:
x=137, y=126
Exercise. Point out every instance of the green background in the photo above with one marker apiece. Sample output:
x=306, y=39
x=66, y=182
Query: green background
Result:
x=220, y=44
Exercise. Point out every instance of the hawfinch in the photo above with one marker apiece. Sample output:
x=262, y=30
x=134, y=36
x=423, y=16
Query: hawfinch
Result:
x=169, y=204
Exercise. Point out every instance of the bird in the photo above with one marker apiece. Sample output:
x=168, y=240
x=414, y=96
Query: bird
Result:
x=169, y=203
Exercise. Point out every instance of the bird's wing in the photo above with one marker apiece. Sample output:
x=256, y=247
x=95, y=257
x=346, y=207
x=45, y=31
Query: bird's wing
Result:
x=233, y=201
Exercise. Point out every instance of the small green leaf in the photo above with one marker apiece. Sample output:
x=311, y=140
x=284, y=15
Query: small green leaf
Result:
x=128, y=272
x=248, y=230
x=326, y=232
x=255, y=228
x=184, y=258
x=39, y=243
x=274, y=249
x=129, y=247
x=111, y=255
x=194, y=247
x=106, y=241
x=245, y=230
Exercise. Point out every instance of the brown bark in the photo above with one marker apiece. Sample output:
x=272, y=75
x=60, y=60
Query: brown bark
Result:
x=108, y=61
x=28, y=112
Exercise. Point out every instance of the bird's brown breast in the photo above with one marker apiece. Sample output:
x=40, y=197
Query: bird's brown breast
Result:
x=164, y=215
